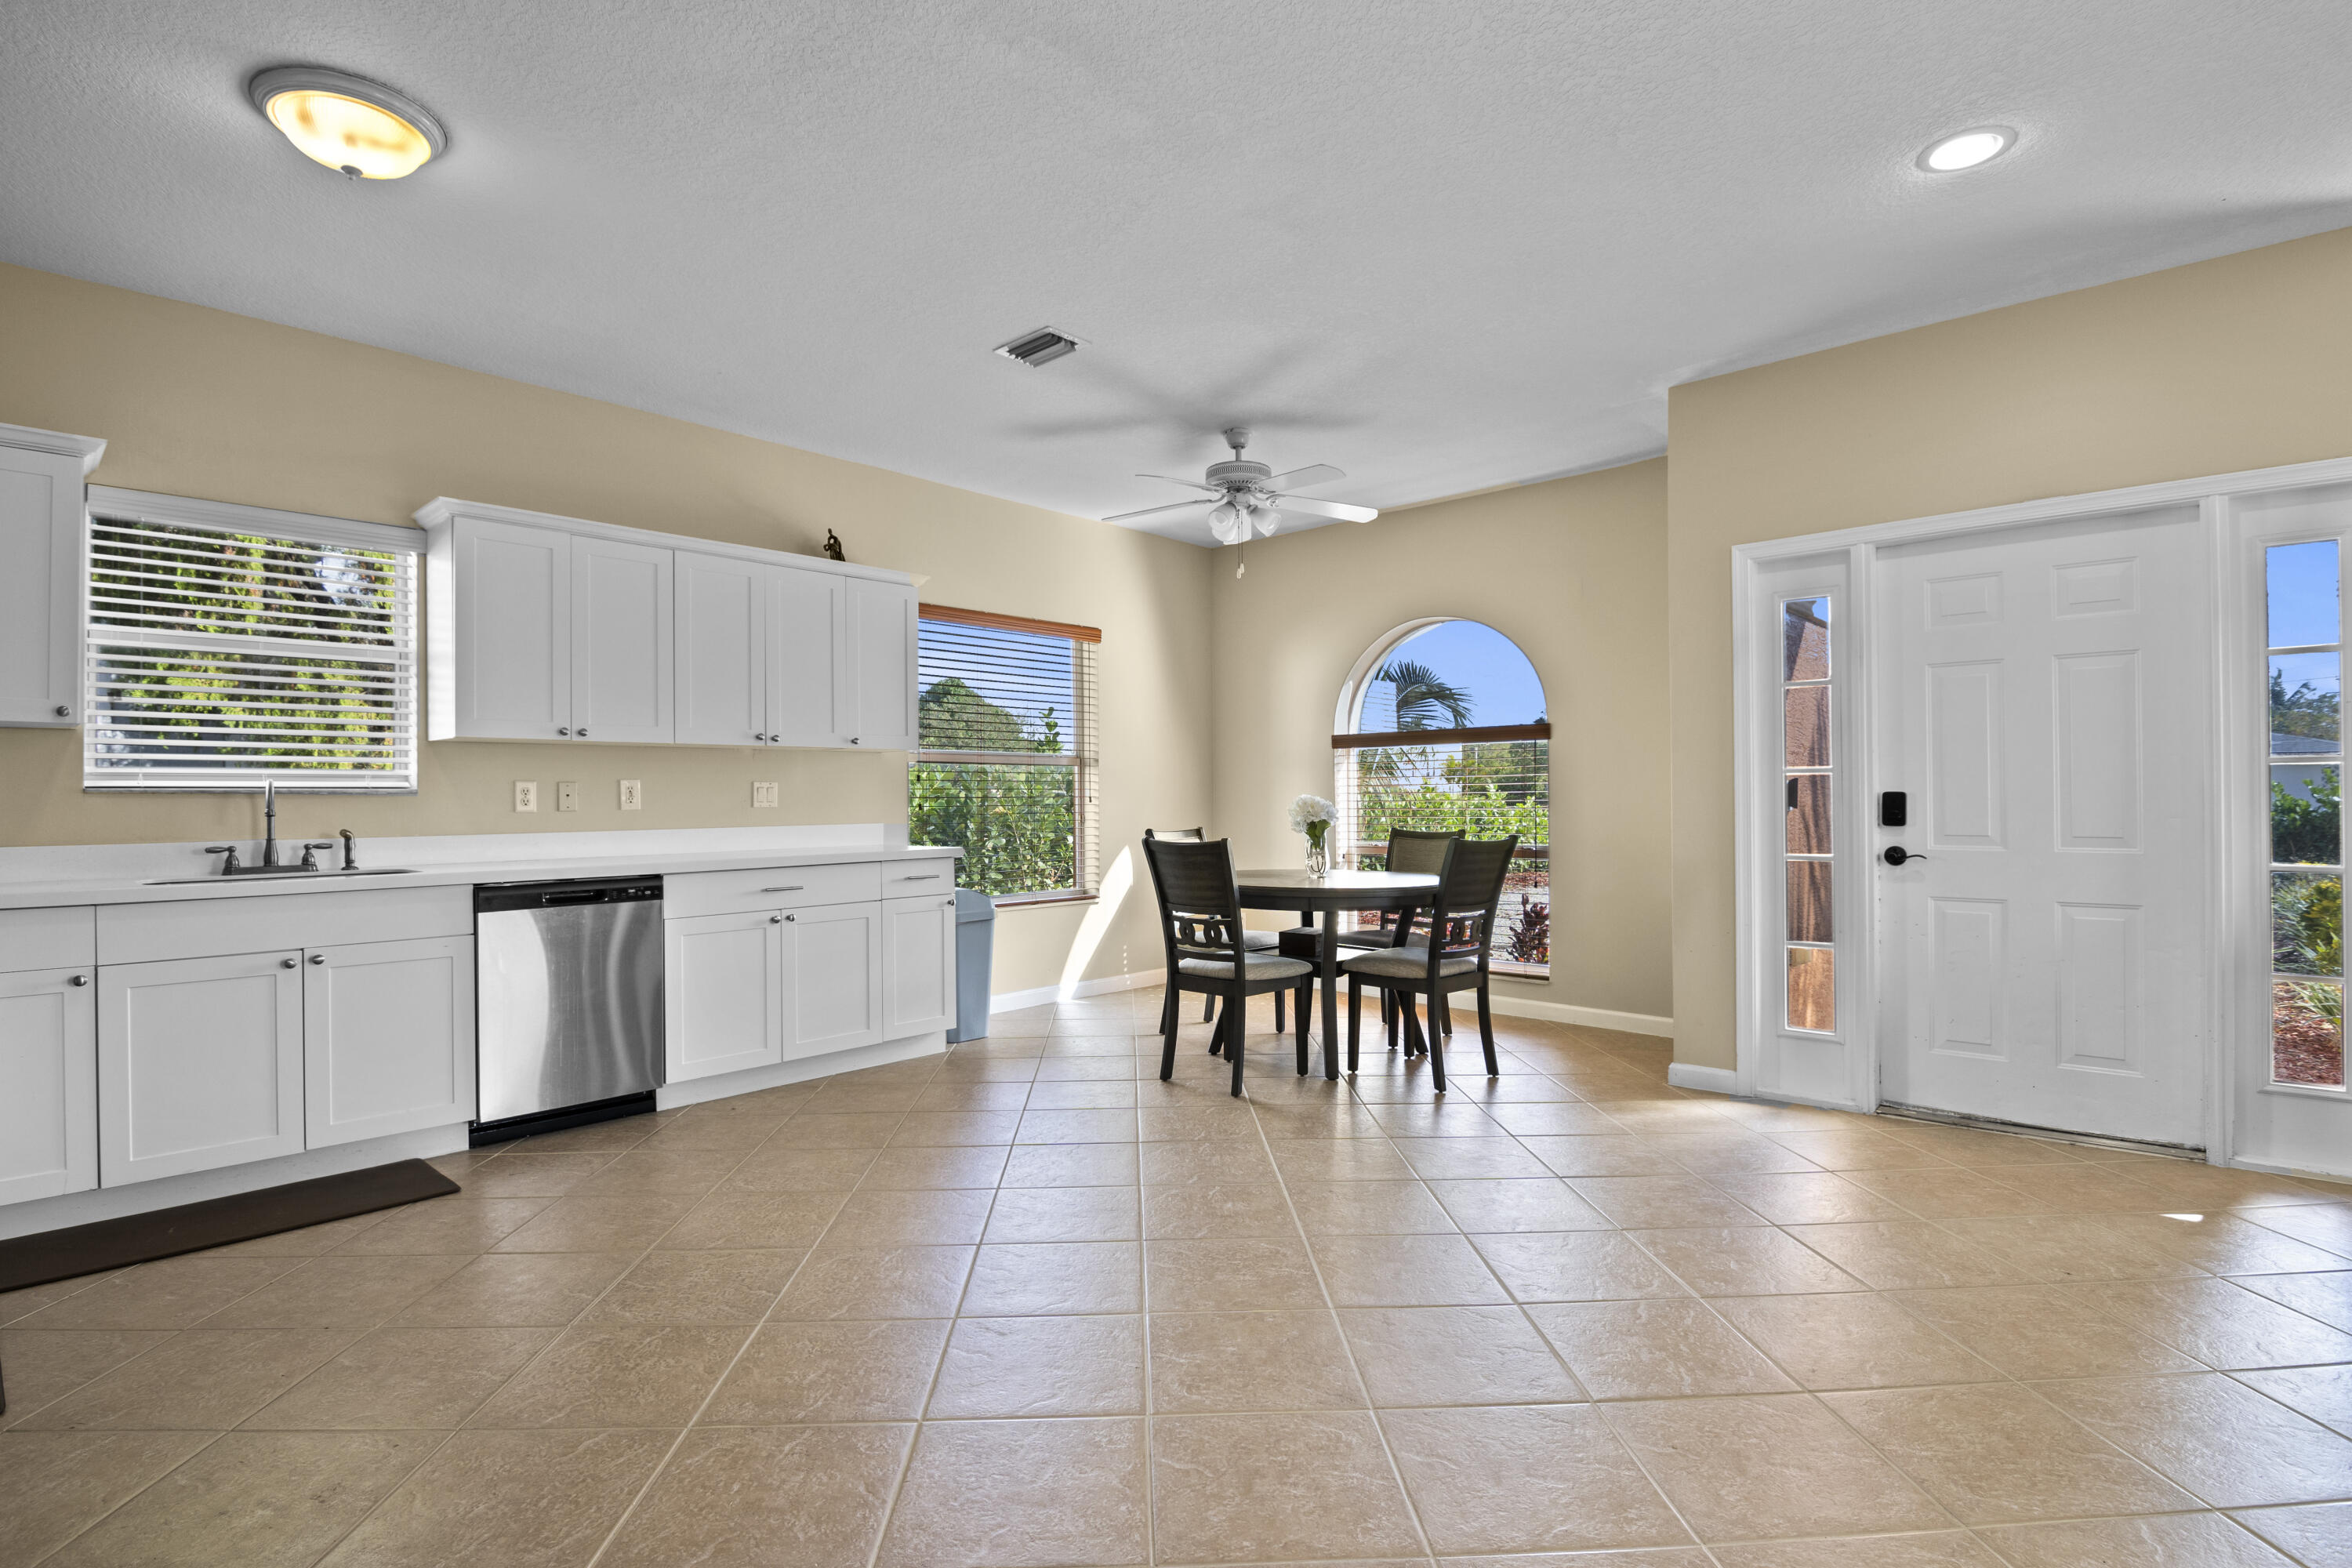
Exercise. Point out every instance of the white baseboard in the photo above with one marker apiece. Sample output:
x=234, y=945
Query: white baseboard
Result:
x=168, y=1192
x=1567, y=1012
x=1713, y=1080
x=2270, y=1169
x=1037, y=996
x=726, y=1085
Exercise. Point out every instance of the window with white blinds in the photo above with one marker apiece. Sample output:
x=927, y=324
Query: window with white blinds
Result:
x=1006, y=765
x=217, y=658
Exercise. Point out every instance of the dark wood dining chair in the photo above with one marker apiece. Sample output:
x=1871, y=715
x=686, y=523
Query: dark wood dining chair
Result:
x=1453, y=957
x=1201, y=931
x=1411, y=849
x=1255, y=940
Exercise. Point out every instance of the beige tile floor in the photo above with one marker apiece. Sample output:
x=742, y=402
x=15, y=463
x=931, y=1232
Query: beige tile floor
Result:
x=1025, y=1304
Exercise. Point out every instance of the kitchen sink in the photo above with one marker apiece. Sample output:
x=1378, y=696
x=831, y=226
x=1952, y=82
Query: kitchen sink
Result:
x=282, y=874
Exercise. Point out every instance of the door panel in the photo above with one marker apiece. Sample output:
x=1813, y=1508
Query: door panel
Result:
x=722, y=650
x=48, y=1084
x=40, y=587
x=2042, y=694
x=882, y=639
x=621, y=653
x=833, y=978
x=387, y=1038
x=514, y=649
x=722, y=988
x=919, y=976
x=199, y=1064
x=809, y=689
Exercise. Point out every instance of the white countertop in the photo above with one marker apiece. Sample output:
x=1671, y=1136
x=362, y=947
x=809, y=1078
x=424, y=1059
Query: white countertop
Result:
x=118, y=888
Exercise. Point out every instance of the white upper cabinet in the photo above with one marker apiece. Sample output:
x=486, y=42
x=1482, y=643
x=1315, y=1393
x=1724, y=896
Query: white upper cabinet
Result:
x=552, y=628
x=882, y=659
x=41, y=511
x=620, y=642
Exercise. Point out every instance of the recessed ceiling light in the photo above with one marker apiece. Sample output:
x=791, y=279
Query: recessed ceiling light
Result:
x=1968, y=149
x=353, y=125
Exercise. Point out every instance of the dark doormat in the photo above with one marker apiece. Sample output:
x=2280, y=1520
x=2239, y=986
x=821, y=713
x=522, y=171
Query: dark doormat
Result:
x=110, y=1244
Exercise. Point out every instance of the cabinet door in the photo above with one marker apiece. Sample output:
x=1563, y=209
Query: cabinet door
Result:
x=199, y=1064
x=723, y=608
x=387, y=1037
x=833, y=978
x=48, y=1084
x=621, y=653
x=882, y=663
x=514, y=632
x=808, y=661
x=918, y=967
x=40, y=587
x=722, y=989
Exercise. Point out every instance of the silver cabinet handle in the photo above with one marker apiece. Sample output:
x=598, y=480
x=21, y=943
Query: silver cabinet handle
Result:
x=288, y=963
x=947, y=903
x=318, y=958
x=562, y=731
x=853, y=739
x=795, y=888
x=78, y=980
x=927, y=877
x=64, y=712
x=583, y=732
x=793, y=918
x=776, y=920
x=759, y=737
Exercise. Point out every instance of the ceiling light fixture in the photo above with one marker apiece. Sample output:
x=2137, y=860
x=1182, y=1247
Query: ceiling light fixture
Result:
x=356, y=127
x=1966, y=149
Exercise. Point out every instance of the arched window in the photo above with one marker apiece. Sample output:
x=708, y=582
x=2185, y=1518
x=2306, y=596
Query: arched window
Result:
x=1443, y=725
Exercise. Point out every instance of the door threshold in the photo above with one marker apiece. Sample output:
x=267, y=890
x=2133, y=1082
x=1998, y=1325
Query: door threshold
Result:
x=2028, y=1130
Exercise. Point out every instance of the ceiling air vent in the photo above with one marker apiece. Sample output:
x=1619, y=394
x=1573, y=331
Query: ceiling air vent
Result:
x=1039, y=347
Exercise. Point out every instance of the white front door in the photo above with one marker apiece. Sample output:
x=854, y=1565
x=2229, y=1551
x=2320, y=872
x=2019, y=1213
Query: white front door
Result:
x=2042, y=702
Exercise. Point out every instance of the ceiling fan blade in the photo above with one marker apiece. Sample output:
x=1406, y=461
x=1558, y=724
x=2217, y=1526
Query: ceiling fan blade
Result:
x=1299, y=478
x=1193, y=484
x=1330, y=509
x=1155, y=511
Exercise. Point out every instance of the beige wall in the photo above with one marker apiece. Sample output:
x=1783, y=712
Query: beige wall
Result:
x=2240, y=362
x=201, y=403
x=1572, y=571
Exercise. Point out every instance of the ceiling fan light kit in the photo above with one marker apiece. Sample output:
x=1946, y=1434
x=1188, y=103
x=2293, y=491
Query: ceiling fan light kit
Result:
x=1245, y=497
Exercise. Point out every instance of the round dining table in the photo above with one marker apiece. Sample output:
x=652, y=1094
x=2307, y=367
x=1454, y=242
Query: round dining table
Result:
x=1326, y=895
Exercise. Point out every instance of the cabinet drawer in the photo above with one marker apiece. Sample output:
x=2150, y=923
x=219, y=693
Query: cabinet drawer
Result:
x=205, y=927
x=919, y=879
x=47, y=939
x=780, y=887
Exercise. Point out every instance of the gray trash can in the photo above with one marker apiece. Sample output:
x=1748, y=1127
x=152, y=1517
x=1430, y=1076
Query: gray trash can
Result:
x=975, y=946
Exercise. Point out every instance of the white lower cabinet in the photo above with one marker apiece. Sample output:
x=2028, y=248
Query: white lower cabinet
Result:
x=833, y=978
x=199, y=1064
x=722, y=993
x=918, y=975
x=48, y=1066
x=387, y=1037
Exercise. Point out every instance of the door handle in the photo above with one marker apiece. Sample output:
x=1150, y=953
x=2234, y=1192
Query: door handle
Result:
x=318, y=958
x=563, y=730
x=289, y=963
x=931, y=877
x=1897, y=855
x=793, y=919
x=78, y=980
x=795, y=888
x=776, y=920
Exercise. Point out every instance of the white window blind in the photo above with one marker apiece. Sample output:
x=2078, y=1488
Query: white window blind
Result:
x=219, y=658
x=1006, y=764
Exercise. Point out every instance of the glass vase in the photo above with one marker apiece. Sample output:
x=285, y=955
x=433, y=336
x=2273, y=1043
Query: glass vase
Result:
x=1319, y=855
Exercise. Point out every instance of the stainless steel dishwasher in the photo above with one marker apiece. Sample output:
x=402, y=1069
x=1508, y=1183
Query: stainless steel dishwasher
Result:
x=568, y=993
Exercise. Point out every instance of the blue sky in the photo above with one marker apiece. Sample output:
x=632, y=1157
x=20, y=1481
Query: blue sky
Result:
x=1502, y=684
x=2303, y=608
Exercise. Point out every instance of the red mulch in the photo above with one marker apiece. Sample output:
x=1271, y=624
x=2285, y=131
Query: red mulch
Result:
x=2305, y=1047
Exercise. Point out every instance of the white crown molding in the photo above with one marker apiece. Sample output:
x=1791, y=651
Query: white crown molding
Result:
x=26, y=438
x=229, y=516
x=443, y=511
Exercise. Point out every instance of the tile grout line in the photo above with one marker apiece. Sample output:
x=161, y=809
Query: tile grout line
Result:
x=661, y=1467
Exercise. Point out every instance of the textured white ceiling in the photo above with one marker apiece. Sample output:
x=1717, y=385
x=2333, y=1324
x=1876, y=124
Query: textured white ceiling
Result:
x=1444, y=246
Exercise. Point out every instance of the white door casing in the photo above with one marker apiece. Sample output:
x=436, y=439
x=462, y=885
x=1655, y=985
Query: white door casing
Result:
x=2043, y=701
x=48, y=1059
x=387, y=1038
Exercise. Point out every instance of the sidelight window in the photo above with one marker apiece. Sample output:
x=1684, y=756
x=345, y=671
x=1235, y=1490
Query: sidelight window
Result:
x=2306, y=776
x=1808, y=781
x=1006, y=760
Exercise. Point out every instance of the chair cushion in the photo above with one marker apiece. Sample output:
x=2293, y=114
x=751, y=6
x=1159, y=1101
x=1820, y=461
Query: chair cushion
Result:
x=1255, y=967
x=1404, y=963
x=1261, y=941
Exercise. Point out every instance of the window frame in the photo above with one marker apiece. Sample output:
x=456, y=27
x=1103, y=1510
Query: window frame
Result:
x=106, y=502
x=1083, y=757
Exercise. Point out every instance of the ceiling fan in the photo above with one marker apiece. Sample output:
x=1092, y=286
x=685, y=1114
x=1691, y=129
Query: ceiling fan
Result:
x=1244, y=497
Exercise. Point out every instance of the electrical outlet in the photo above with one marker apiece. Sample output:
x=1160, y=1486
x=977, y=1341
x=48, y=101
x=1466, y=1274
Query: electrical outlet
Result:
x=633, y=795
x=526, y=794
x=567, y=795
x=763, y=795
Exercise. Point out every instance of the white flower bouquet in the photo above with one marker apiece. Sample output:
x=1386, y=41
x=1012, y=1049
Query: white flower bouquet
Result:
x=1313, y=816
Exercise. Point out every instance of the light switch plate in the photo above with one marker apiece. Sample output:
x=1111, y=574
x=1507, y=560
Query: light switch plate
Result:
x=763, y=795
x=526, y=794
x=567, y=795
x=633, y=795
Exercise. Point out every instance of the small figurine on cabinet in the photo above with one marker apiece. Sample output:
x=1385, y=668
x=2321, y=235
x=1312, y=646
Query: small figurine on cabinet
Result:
x=832, y=545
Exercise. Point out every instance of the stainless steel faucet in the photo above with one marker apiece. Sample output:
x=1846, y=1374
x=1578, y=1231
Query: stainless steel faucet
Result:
x=269, y=815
